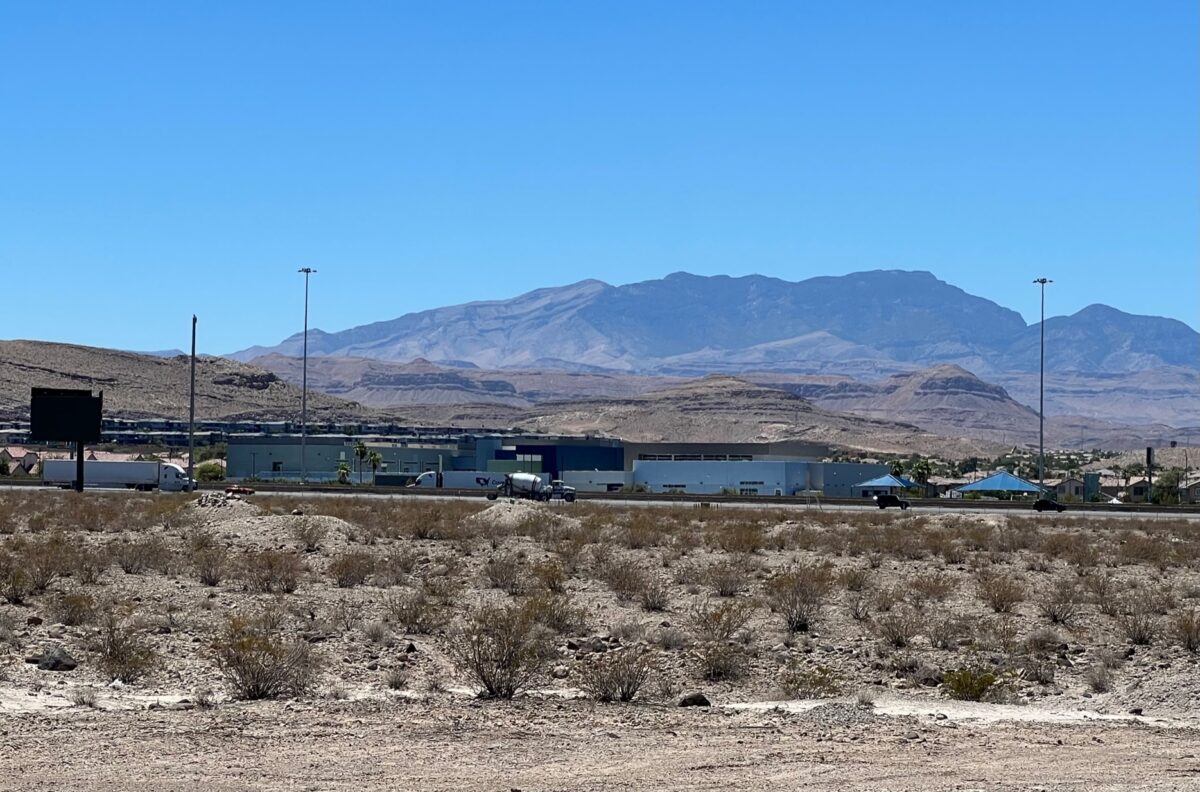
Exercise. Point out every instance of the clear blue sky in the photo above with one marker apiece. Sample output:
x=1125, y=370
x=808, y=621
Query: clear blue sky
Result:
x=164, y=158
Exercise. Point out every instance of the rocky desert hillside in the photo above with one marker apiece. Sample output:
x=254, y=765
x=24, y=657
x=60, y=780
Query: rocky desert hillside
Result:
x=715, y=409
x=146, y=386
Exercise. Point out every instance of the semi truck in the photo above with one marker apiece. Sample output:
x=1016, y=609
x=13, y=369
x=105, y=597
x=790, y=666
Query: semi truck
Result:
x=458, y=479
x=531, y=487
x=143, y=476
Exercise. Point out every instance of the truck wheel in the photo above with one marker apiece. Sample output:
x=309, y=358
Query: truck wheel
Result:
x=569, y=497
x=491, y=496
x=903, y=507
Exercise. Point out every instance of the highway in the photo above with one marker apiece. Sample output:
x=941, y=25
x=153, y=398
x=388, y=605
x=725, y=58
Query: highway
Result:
x=625, y=500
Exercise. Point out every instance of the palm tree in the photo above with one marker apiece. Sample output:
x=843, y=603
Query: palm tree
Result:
x=374, y=459
x=897, y=468
x=343, y=473
x=921, y=471
x=360, y=453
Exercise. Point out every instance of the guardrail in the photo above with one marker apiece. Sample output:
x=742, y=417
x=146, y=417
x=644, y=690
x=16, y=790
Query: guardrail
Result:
x=955, y=504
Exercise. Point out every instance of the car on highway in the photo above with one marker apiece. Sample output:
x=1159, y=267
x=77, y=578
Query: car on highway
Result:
x=884, y=501
x=1047, y=504
x=239, y=489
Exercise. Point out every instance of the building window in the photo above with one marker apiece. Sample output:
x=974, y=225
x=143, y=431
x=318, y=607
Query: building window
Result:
x=747, y=491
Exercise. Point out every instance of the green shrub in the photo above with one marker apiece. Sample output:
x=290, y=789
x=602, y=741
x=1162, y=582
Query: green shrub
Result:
x=968, y=684
x=210, y=471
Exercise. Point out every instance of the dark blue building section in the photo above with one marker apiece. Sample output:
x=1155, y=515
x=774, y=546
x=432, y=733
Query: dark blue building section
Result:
x=557, y=458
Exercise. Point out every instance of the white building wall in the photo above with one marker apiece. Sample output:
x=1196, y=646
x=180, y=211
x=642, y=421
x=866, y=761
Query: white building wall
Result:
x=597, y=480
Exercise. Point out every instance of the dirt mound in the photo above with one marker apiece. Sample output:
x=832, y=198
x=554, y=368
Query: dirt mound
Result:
x=216, y=506
x=510, y=514
x=274, y=530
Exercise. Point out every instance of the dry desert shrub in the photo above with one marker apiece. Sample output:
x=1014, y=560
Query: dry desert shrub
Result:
x=556, y=612
x=721, y=660
x=736, y=536
x=351, y=569
x=505, y=572
x=87, y=564
x=617, y=675
x=721, y=620
x=1104, y=592
x=1099, y=678
x=803, y=681
x=655, y=594
x=1140, y=548
x=73, y=608
x=394, y=567
x=1043, y=640
x=271, y=571
x=854, y=578
x=14, y=580
x=139, y=555
x=44, y=560
x=1185, y=628
x=727, y=577
x=208, y=557
x=932, y=585
x=500, y=649
x=799, y=593
x=550, y=575
x=671, y=638
x=624, y=578
x=414, y=610
x=899, y=627
x=946, y=631
x=259, y=662
x=999, y=634
x=1001, y=592
x=1138, y=622
x=309, y=534
x=123, y=655
x=1062, y=603
x=643, y=530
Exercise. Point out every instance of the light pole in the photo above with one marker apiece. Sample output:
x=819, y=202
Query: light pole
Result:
x=1042, y=393
x=304, y=382
x=192, y=416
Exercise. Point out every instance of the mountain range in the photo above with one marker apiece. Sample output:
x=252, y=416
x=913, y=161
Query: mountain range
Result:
x=865, y=324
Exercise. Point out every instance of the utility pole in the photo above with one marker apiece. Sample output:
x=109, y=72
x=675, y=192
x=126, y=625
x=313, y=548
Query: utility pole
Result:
x=1042, y=392
x=192, y=415
x=304, y=382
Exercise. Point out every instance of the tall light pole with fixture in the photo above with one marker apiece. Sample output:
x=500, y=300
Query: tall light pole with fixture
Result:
x=1042, y=392
x=192, y=416
x=304, y=382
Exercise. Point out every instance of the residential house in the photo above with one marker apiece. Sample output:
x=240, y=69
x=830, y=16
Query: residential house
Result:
x=21, y=461
x=1069, y=490
x=1189, y=490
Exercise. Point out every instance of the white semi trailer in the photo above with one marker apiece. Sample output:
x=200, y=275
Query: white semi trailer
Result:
x=165, y=476
x=458, y=479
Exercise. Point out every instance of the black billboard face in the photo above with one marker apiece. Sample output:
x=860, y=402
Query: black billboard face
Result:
x=62, y=415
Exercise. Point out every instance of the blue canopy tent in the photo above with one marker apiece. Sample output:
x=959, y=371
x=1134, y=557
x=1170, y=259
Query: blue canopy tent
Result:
x=884, y=484
x=1002, y=481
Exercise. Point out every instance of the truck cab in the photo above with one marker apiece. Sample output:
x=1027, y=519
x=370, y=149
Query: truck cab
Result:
x=560, y=490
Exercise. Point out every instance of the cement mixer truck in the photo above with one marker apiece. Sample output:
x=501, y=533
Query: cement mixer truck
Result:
x=531, y=487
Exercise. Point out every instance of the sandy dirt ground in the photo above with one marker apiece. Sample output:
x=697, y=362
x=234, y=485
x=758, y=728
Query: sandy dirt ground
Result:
x=390, y=709
x=577, y=745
